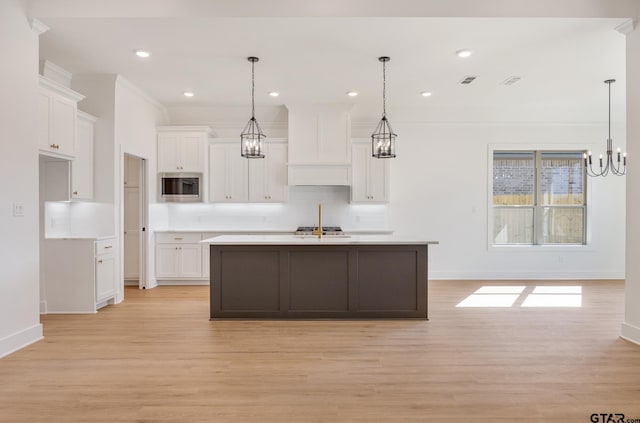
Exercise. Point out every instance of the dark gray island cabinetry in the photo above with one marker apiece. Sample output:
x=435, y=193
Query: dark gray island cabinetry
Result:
x=280, y=276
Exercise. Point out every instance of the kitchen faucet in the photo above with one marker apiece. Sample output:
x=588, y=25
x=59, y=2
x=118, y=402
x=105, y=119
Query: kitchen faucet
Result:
x=319, y=230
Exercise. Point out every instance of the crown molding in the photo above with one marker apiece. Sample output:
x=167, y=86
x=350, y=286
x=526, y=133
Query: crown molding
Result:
x=627, y=27
x=38, y=27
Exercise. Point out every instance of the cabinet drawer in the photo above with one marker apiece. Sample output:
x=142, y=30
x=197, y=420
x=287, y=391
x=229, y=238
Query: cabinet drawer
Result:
x=105, y=246
x=177, y=238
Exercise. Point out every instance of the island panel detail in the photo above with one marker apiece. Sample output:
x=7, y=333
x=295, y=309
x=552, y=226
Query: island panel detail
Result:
x=318, y=281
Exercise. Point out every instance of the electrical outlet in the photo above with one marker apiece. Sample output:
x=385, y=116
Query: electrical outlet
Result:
x=18, y=210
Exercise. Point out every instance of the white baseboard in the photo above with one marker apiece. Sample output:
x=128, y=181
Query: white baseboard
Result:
x=525, y=275
x=19, y=340
x=630, y=333
x=194, y=282
x=43, y=307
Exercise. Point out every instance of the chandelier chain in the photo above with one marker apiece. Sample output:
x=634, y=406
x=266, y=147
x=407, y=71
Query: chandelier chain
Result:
x=384, y=88
x=253, y=89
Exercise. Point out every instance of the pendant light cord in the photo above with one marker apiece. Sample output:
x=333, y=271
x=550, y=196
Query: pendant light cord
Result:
x=609, y=110
x=384, y=88
x=253, y=89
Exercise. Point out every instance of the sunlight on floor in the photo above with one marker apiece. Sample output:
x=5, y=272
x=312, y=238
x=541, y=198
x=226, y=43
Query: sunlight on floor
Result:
x=537, y=296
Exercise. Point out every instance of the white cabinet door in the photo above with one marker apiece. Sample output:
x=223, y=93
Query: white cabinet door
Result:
x=63, y=125
x=181, y=152
x=268, y=176
x=44, y=121
x=105, y=277
x=379, y=179
x=82, y=165
x=57, y=116
x=192, y=147
x=227, y=174
x=168, y=153
x=190, y=260
x=370, y=176
x=167, y=260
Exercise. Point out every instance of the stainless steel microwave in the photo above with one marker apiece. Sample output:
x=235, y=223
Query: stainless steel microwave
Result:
x=184, y=187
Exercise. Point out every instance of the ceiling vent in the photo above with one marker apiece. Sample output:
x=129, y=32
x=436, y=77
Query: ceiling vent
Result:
x=511, y=80
x=467, y=80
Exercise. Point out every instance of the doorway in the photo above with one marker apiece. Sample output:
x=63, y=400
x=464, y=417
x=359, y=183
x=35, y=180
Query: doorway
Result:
x=134, y=222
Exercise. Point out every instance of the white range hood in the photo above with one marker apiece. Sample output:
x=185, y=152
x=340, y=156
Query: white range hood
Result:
x=319, y=144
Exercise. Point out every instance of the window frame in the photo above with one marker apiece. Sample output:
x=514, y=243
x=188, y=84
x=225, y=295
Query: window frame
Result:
x=537, y=208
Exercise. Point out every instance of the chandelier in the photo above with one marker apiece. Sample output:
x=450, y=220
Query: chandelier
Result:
x=383, y=139
x=252, y=138
x=607, y=165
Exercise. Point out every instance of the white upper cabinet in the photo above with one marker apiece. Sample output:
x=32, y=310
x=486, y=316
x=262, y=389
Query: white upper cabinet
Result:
x=182, y=148
x=268, y=176
x=370, y=176
x=82, y=165
x=235, y=179
x=57, y=110
x=228, y=173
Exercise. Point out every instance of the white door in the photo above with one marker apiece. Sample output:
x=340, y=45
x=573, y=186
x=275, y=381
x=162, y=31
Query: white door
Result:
x=63, y=131
x=359, y=173
x=237, y=174
x=131, y=233
x=134, y=223
x=378, y=179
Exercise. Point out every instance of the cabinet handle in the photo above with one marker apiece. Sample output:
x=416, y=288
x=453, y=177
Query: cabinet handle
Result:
x=178, y=239
x=75, y=192
x=108, y=246
x=100, y=261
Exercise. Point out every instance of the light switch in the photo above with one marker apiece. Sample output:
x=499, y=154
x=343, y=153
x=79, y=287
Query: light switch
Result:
x=18, y=210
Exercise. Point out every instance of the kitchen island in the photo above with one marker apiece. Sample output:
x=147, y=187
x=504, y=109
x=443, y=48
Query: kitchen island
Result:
x=289, y=276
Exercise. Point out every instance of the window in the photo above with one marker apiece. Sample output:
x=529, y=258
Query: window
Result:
x=538, y=198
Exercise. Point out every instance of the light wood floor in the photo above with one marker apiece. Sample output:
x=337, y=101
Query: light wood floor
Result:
x=157, y=358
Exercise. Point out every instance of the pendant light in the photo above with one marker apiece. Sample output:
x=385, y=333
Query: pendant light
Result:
x=607, y=165
x=251, y=139
x=383, y=139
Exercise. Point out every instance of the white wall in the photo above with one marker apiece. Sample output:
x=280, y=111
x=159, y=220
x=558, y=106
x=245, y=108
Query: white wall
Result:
x=136, y=117
x=439, y=191
x=19, y=283
x=631, y=325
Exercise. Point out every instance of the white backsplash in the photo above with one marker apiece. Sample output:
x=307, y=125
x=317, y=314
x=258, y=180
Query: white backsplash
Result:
x=300, y=210
x=66, y=219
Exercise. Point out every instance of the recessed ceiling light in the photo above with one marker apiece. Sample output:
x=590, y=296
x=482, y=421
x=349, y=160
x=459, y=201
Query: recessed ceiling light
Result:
x=142, y=53
x=352, y=93
x=274, y=93
x=425, y=94
x=188, y=94
x=464, y=53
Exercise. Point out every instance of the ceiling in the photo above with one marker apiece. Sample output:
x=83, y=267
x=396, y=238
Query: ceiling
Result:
x=562, y=62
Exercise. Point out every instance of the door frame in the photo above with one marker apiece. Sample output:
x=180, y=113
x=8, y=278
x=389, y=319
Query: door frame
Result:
x=143, y=220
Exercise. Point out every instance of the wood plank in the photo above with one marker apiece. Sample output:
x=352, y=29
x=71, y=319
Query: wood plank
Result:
x=157, y=358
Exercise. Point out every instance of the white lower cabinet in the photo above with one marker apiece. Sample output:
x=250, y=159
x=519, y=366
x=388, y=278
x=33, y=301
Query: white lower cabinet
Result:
x=105, y=276
x=78, y=275
x=178, y=256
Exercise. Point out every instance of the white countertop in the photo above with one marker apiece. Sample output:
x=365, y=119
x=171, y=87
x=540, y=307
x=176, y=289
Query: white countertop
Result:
x=89, y=238
x=313, y=240
x=271, y=231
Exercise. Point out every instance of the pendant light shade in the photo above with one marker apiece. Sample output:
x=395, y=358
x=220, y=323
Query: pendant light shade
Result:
x=608, y=165
x=252, y=138
x=383, y=139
